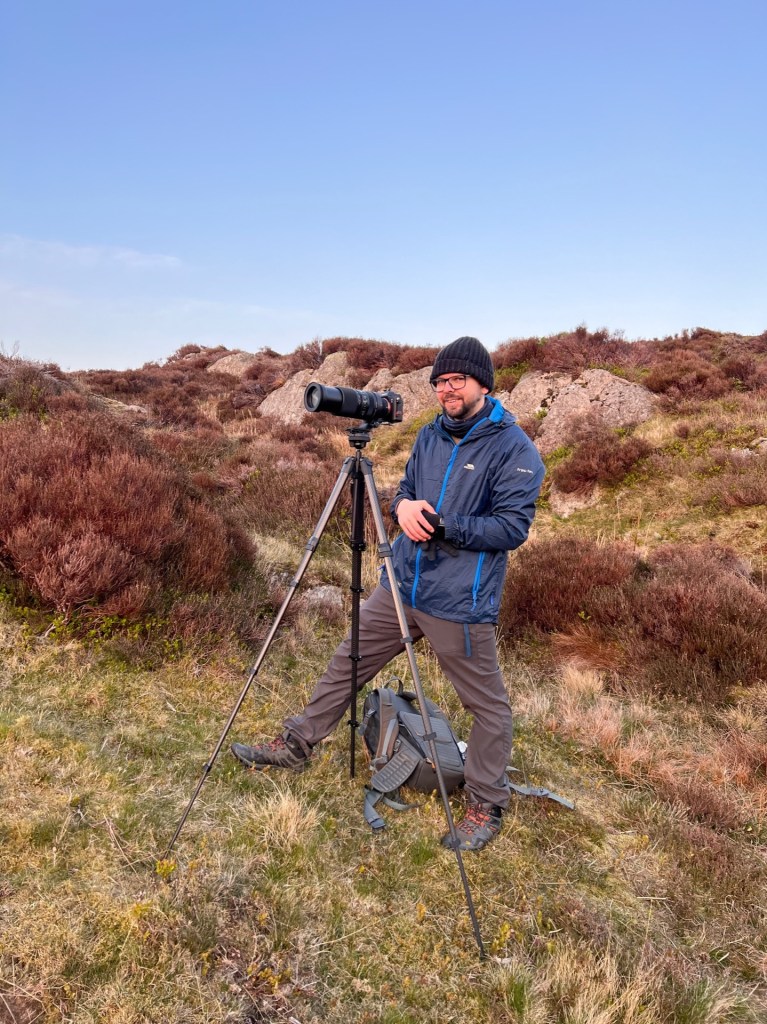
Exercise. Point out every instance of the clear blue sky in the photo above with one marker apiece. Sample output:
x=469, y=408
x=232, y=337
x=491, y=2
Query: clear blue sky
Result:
x=255, y=174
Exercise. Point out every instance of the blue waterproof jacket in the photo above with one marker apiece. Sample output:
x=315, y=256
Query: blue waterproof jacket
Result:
x=484, y=487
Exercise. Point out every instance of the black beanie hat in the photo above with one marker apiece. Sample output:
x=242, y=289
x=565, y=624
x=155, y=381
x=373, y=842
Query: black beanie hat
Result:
x=465, y=355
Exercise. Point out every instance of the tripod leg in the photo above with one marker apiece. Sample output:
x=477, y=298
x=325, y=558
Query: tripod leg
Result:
x=311, y=547
x=385, y=551
x=358, y=546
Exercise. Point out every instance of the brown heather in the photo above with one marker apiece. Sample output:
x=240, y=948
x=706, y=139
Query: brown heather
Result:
x=367, y=357
x=701, y=364
x=687, y=621
x=732, y=480
x=600, y=456
x=94, y=521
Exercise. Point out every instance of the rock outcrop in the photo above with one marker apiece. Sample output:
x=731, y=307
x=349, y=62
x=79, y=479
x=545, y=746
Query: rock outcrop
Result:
x=235, y=363
x=559, y=400
x=287, y=402
x=555, y=397
x=417, y=394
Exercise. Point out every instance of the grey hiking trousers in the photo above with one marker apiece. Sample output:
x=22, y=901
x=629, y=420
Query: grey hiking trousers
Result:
x=467, y=655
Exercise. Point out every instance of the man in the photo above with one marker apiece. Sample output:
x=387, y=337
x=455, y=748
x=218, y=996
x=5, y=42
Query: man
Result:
x=466, y=500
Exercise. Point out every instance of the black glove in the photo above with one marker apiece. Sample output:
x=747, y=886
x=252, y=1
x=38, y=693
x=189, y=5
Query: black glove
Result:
x=437, y=540
x=435, y=521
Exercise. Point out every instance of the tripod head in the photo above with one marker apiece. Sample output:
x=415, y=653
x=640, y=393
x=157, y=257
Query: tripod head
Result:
x=360, y=436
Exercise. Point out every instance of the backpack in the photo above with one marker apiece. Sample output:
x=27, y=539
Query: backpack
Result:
x=393, y=732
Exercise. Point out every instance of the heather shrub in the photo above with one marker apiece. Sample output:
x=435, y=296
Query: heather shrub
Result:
x=27, y=387
x=412, y=359
x=95, y=524
x=601, y=455
x=311, y=437
x=306, y=357
x=555, y=583
x=699, y=623
x=269, y=370
x=288, y=496
x=175, y=406
x=704, y=364
x=517, y=353
x=508, y=378
x=689, y=621
x=684, y=374
x=531, y=425
x=570, y=352
x=366, y=356
x=173, y=393
x=700, y=365
x=740, y=369
x=243, y=401
x=197, y=356
x=704, y=801
x=732, y=480
x=198, y=449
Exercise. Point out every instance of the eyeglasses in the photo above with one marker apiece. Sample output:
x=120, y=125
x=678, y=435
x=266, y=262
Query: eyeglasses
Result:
x=457, y=382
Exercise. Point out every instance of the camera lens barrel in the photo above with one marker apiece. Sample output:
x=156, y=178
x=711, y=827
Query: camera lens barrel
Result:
x=372, y=406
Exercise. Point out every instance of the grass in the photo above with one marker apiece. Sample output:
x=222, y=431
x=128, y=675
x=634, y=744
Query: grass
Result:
x=280, y=904
x=670, y=497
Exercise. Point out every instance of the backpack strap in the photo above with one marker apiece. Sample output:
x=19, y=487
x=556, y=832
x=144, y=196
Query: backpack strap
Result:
x=398, y=769
x=542, y=792
x=387, y=728
x=372, y=798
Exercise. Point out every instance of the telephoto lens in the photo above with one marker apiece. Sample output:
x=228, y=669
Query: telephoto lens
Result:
x=371, y=406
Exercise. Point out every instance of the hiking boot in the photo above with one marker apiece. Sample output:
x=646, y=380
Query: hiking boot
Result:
x=283, y=752
x=480, y=824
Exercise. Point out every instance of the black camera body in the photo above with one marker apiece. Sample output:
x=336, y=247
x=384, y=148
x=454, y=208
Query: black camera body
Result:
x=374, y=407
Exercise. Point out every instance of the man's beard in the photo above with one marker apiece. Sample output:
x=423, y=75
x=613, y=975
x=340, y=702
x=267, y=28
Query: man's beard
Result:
x=457, y=412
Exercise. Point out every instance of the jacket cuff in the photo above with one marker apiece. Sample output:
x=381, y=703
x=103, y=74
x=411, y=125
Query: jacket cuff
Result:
x=395, y=505
x=451, y=529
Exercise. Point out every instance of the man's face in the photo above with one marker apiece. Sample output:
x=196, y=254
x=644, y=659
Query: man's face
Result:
x=460, y=403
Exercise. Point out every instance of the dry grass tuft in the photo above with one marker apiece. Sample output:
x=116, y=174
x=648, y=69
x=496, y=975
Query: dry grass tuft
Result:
x=581, y=683
x=281, y=820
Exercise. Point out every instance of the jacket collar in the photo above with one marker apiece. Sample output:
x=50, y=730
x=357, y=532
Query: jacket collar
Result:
x=490, y=423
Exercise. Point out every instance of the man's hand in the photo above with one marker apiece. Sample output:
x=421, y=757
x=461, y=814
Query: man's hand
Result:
x=410, y=518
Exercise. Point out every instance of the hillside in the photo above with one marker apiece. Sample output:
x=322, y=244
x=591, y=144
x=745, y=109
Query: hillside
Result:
x=150, y=521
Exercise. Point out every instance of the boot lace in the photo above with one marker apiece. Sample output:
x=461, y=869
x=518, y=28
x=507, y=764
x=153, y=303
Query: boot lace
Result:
x=476, y=817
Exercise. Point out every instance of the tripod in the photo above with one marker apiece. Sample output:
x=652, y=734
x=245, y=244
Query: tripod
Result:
x=359, y=471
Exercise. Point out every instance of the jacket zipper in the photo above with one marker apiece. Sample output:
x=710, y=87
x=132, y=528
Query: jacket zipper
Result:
x=477, y=580
x=448, y=471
